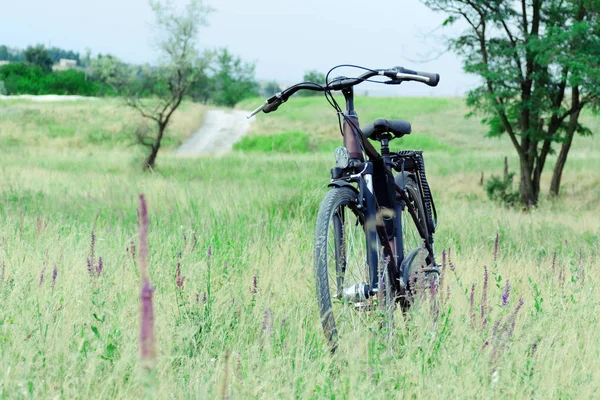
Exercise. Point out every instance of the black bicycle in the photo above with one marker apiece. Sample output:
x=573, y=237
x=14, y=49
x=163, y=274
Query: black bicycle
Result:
x=374, y=234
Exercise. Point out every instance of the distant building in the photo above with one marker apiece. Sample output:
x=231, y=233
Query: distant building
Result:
x=65, y=64
x=4, y=62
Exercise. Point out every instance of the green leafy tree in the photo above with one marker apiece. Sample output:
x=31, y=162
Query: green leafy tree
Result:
x=312, y=76
x=233, y=79
x=538, y=63
x=4, y=55
x=37, y=55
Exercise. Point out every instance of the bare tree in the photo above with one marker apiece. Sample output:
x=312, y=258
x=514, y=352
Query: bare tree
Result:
x=179, y=65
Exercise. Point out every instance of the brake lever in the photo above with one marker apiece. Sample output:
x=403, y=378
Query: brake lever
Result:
x=394, y=82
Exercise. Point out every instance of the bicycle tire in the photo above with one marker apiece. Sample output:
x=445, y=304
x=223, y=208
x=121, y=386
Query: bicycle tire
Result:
x=337, y=212
x=411, y=238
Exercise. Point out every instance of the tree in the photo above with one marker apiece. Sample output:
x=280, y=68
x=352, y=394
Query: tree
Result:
x=270, y=88
x=176, y=35
x=37, y=55
x=312, y=76
x=538, y=62
x=233, y=79
x=4, y=55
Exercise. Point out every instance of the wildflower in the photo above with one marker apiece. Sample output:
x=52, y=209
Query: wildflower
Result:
x=266, y=325
x=54, y=275
x=99, y=267
x=484, y=292
x=254, y=288
x=506, y=293
x=496, y=248
x=209, y=252
x=90, y=267
x=452, y=267
x=42, y=276
x=147, y=339
x=472, y=305
x=179, y=280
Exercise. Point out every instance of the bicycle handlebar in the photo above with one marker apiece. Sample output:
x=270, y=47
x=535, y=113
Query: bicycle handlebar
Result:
x=396, y=74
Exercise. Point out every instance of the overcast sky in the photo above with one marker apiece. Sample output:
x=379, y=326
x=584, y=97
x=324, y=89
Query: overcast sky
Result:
x=284, y=38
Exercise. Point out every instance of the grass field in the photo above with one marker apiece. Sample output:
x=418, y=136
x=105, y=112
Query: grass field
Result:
x=247, y=219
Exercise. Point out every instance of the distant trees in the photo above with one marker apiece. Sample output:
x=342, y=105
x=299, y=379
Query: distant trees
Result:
x=270, y=88
x=10, y=54
x=233, y=79
x=37, y=55
x=312, y=76
x=538, y=61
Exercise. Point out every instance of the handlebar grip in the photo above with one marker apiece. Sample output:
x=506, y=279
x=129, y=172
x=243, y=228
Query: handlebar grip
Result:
x=434, y=79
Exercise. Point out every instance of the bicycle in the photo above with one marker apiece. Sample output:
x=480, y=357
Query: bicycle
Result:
x=374, y=231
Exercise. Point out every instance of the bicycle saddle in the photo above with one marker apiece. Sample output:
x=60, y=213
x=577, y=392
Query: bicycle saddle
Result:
x=381, y=126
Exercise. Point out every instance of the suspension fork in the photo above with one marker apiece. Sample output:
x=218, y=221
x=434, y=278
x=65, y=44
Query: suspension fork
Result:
x=366, y=189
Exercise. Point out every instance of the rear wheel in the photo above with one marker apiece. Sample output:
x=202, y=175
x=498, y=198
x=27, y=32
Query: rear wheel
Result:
x=415, y=254
x=341, y=263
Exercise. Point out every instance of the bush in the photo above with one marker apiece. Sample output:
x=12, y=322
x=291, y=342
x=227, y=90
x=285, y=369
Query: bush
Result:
x=501, y=190
x=21, y=78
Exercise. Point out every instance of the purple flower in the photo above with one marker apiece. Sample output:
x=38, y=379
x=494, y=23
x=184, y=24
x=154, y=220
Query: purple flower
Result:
x=443, y=259
x=513, y=317
x=209, y=252
x=484, y=292
x=496, y=248
x=452, y=267
x=266, y=325
x=54, y=275
x=496, y=326
x=90, y=267
x=254, y=288
x=506, y=293
x=42, y=276
x=99, y=267
x=553, y=261
x=194, y=240
x=432, y=288
x=204, y=297
x=92, y=247
x=197, y=297
x=179, y=280
x=472, y=305
x=147, y=338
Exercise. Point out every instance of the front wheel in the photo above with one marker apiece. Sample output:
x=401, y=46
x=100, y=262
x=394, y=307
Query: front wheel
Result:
x=341, y=267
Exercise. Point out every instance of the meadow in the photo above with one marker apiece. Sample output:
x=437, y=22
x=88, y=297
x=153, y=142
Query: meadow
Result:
x=240, y=320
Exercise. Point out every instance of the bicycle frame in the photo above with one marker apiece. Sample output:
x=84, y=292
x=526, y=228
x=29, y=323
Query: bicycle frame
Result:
x=394, y=256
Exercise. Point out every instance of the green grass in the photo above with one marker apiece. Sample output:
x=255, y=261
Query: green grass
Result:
x=256, y=212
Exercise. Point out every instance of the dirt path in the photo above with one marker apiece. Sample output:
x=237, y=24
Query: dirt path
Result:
x=221, y=129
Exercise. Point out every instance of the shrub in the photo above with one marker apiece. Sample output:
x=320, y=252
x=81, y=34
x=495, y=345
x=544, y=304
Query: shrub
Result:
x=501, y=190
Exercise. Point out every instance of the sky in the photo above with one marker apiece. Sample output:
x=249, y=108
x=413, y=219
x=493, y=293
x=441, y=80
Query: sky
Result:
x=285, y=38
